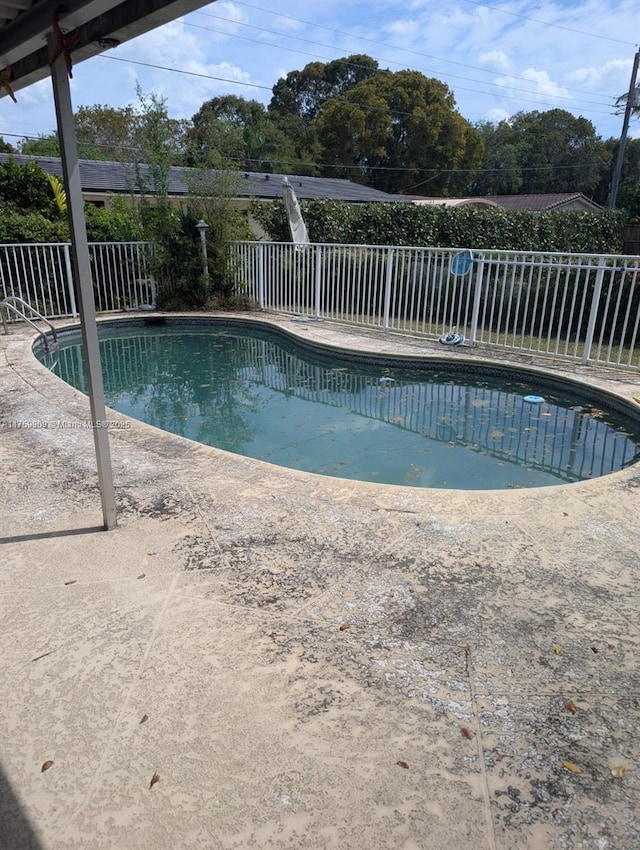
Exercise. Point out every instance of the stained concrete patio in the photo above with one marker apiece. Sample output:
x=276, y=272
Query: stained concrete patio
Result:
x=306, y=662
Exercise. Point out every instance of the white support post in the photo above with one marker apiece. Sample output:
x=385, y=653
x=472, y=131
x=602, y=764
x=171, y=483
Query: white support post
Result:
x=476, y=299
x=318, y=280
x=80, y=253
x=70, y=290
x=595, y=303
x=261, y=274
x=387, y=290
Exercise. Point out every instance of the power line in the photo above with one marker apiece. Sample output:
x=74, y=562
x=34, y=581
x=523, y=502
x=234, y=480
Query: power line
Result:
x=550, y=23
x=500, y=91
x=339, y=166
x=182, y=71
x=418, y=53
x=201, y=75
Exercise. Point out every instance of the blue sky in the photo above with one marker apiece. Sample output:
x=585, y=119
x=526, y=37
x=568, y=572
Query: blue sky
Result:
x=497, y=58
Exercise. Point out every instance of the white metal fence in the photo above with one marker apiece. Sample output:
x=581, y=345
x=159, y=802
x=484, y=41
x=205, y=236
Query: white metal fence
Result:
x=584, y=307
x=41, y=274
x=578, y=306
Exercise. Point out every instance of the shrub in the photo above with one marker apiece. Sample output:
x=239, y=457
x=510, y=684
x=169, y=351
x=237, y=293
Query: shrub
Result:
x=449, y=227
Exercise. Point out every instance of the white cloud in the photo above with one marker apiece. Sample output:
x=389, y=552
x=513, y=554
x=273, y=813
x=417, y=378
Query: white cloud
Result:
x=496, y=59
x=496, y=115
x=541, y=87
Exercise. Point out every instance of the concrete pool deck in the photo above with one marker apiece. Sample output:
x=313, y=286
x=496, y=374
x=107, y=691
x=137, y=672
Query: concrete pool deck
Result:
x=302, y=661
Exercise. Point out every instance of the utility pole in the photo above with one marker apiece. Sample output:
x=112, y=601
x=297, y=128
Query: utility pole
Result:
x=631, y=98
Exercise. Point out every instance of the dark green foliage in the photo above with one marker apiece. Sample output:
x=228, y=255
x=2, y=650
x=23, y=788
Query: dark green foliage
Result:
x=17, y=226
x=440, y=226
x=119, y=223
x=26, y=188
x=537, y=152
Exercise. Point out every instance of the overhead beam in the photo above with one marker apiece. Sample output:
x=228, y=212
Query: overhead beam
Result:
x=23, y=42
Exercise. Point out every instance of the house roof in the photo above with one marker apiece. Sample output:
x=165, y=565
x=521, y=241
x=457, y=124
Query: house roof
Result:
x=478, y=203
x=545, y=202
x=103, y=177
x=531, y=203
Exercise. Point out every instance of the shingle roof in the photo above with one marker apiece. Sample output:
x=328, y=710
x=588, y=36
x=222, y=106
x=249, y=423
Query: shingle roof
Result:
x=541, y=202
x=98, y=176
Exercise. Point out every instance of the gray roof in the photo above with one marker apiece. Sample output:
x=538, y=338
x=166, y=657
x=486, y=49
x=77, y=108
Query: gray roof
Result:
x=542, y=202
x=96, y=176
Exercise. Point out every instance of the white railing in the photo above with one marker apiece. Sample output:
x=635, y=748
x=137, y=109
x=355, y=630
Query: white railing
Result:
x=41, y=275
x=583, y=307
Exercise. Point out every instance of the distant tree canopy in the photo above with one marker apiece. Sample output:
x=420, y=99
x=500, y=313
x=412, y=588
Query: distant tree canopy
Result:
x=537, y=152
x=231, y=132
x=399, y=132
x=348, y=118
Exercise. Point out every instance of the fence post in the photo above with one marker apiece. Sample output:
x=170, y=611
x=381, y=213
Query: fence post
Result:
x=318, y=280
x=595, y=303
x=70, y=289
x=261, y=272
x=387, y=290
x=475, y=312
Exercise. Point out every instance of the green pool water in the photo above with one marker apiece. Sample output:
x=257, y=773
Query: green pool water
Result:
x=256, y=393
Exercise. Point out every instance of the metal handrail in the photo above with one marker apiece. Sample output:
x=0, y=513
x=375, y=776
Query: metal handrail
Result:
x=10, y=304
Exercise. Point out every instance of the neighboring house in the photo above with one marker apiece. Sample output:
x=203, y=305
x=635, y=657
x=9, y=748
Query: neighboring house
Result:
x=474, y=203
x=559, y=202
x=99, y=180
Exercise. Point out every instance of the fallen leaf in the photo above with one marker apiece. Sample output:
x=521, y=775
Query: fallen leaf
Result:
x=151, y=553
x=144, y=718
x=557, y=650
x=466, y=733
x=571, y=706
x=155, y=778
x=46, y=765
x=403, y=764
x=595, y=650
x=564, y=513
x=611, y=646
x=344, y=627
x=142, y=575
x=618, y=771
x=569, y=765
x=73, y=581
x=500, y=756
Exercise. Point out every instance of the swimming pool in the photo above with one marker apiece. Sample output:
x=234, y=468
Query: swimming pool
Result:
x=254, y=391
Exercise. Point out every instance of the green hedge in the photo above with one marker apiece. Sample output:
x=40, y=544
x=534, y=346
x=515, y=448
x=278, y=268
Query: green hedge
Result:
x=17, y=226
x=450, y=227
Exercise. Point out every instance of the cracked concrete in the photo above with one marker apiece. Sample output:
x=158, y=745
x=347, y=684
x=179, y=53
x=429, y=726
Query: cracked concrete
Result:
x=305, y=661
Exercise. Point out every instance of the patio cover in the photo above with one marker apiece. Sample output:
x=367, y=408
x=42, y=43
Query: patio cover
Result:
x=38, y=38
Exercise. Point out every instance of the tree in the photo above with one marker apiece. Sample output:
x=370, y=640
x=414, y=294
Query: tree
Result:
x=298, y=97
x=49, y=146
x=25, y=187
x=233, y=132
x=399, y=132
x=5, y=147
x=109, y=131
x=302, y=93
x=501, y=172
x=538, y=152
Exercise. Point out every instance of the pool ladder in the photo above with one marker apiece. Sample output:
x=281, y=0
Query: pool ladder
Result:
x=11, y=303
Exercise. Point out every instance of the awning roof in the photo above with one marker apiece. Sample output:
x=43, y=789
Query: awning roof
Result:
x=26, y=24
